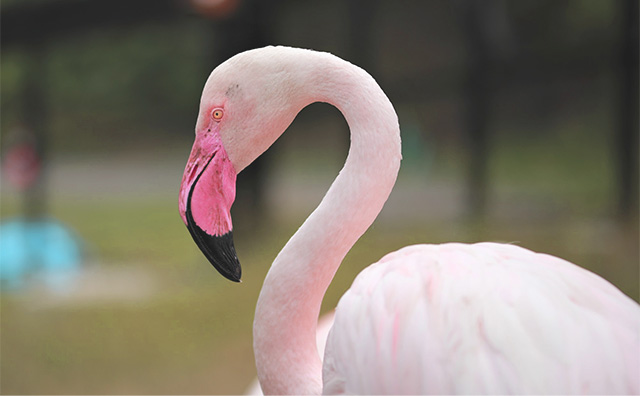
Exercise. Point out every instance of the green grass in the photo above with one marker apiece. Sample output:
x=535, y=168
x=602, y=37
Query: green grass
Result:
x=573, y=161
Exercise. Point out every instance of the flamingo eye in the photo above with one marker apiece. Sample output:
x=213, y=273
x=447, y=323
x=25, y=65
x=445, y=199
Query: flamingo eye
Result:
x=217, y=114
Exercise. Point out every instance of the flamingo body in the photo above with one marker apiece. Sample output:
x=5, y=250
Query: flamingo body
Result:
x=490, y=318
x=453, y=318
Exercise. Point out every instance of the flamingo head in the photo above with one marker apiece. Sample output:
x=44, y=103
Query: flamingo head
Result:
x=247, y=102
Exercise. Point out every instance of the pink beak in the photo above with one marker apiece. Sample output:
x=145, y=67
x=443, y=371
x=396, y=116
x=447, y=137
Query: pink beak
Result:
x=207, y=192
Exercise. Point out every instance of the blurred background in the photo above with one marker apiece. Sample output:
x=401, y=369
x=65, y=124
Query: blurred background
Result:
x=519, y=121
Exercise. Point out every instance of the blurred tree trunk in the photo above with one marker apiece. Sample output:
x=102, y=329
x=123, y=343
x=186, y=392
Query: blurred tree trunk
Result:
x=361, y=34
x=627, y=128
x=34, y=119
x=477, y=102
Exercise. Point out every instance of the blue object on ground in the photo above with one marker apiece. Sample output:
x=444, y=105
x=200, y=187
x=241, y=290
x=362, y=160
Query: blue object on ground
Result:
x=43, y=248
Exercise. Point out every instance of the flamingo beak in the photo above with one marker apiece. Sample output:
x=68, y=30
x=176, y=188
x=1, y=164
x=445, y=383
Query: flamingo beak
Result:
x=206, y=195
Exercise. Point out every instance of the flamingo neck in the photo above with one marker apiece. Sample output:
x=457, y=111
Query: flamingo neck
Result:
x=289, y=304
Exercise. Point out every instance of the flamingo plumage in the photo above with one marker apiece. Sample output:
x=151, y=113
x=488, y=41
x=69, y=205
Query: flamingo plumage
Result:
x=452, y=318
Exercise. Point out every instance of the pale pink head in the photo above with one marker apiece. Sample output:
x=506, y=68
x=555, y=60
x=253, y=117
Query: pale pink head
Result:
x=247, y=102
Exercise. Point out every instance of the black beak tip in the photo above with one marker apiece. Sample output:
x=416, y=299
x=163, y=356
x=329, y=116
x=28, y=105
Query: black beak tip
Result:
x=219, y=250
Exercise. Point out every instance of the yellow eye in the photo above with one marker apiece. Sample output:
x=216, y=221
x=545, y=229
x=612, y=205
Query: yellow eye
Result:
x=217, y=114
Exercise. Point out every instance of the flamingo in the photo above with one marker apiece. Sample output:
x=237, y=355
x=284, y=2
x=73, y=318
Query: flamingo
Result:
x=451, y=318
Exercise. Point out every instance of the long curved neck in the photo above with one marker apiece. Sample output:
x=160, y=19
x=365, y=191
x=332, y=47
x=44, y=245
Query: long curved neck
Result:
x=289, y=304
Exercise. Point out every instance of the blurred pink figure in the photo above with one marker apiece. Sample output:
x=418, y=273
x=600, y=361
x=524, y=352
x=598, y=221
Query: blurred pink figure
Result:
x=215, y=9
x=21, y=164
x=485, y=318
